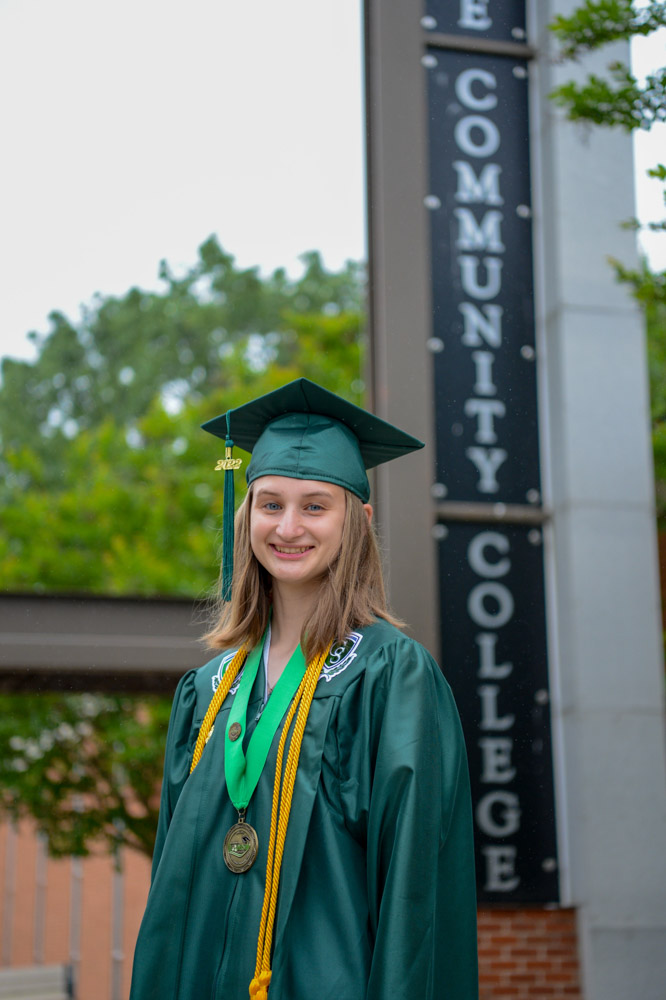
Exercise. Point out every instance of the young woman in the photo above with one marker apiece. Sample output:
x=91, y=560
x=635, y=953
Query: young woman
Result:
x=315, y=835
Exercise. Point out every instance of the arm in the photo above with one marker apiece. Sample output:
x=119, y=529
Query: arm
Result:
x=421, y=886
x=177, y=758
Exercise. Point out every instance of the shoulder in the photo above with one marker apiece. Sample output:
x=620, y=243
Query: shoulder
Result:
x=197, y=687
x=392, y=641
x=397, y=699
x=376, y=653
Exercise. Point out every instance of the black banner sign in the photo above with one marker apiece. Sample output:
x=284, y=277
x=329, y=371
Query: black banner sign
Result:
x=494, y=656
x=501, y=20
x=482, y=284
x=494, y=641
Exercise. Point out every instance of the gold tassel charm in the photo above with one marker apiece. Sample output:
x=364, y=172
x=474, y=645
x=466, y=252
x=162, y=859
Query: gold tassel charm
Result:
x=228, y=463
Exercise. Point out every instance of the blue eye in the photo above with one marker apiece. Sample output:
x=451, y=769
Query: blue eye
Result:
x=271, y=505
x=315, y=506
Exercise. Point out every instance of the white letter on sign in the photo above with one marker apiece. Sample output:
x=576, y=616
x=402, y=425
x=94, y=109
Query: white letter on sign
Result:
x=484, y=189
x=477, y=557
x=488, y=667
x=500, y=868
x=487, y=462
x=489, y=717
x=464, y=93
x=474, y=15
x=483, y=366
x=469, y=275
x=487, y=324
x=478, y=611
x=490, y=138
x=485, y=410
x=496, y=754
x=509, y=821
x=485, y=235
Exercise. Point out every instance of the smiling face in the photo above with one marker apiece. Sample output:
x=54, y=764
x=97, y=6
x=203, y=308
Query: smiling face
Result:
x=296, y=527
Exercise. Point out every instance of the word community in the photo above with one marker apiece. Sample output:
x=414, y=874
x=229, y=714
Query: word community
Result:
x=477, y=136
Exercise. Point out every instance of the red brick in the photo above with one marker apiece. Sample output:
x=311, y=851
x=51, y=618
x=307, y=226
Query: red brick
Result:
x=528, y=954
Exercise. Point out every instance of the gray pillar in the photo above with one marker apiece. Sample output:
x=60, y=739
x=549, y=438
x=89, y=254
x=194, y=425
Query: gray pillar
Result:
x=401, y=369
x=609, y=714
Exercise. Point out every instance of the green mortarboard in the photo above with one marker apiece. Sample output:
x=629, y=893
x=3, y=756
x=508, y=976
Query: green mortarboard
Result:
x=303, y=431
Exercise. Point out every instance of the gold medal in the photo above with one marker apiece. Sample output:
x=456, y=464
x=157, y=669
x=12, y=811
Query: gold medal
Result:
x=241, y=846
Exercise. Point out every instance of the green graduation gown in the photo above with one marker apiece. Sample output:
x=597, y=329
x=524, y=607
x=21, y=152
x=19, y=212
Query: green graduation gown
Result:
x=377, y=898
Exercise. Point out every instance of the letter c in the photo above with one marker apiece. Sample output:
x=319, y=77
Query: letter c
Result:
x=477, y=557
x=464, y=89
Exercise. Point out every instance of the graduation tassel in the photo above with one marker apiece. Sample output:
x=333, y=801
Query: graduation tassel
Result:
x=228, y=523
x=229, y=465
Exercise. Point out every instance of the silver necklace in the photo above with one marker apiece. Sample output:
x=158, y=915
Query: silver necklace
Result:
x=268, y=690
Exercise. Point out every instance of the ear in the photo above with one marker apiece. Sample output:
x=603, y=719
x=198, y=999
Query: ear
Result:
x=368, y=512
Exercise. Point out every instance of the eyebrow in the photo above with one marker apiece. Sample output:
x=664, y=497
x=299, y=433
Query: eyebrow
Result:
x=263, y=492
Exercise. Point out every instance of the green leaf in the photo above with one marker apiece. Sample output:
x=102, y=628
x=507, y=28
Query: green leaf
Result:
x=596, y=23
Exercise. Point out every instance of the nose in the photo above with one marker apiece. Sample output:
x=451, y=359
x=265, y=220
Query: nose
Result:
x=291, y=524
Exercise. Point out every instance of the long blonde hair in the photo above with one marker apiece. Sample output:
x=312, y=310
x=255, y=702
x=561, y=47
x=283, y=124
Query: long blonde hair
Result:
x=350, y=595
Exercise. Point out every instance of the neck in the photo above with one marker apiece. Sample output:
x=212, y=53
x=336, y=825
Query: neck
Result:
x=291, y=606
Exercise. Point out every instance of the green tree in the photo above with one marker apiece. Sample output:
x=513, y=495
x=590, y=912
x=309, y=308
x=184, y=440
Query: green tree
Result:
x=110, y=488
x=618, y=98
x=176, y=345
x=85, y=767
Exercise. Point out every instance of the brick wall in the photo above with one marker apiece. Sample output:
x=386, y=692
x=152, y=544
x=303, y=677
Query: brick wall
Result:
x=22, y=945
x=528, y=954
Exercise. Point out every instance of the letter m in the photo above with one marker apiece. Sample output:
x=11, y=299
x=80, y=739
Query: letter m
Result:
x=479, y=236
x=483, y=189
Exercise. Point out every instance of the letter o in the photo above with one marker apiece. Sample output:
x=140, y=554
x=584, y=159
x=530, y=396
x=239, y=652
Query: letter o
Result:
x=463, y=136
x=477, y=559
x=478, y=612
x=464, y=89
x=510, y=819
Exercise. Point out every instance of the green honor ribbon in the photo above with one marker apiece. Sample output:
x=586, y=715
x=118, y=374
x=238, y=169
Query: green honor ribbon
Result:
x=242, y=770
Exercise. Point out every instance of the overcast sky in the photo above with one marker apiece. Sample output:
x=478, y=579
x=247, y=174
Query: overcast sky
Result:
x=133, y=129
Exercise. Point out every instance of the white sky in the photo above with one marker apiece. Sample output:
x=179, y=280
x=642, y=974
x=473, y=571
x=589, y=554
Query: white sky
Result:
x=131, y=130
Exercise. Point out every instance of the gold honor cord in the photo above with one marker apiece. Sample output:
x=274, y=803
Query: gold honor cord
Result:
x=280, y=810
x=283, y=790
x=221, y=693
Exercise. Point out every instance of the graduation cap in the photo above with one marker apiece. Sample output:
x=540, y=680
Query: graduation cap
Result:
x=303, y=431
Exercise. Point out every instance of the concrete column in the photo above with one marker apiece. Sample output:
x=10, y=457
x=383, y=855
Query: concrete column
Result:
x=609, y=714
x=401, y=378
